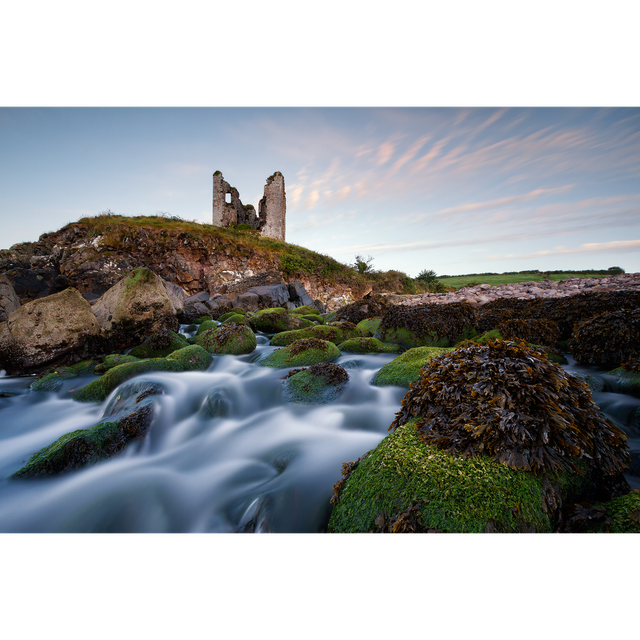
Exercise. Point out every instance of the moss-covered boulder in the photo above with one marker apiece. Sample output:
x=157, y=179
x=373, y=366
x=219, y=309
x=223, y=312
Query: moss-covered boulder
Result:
x=236, y=317
x=368, y=345
x=113, y=360
x=302, y=353
x=87, y=446
x=159, y=345
x=205, y=326
x=52, y=380
x=336, y=333
x=234, y=338
x=628, y=381
x=405, y=369
x=369, y=325
x=191, y=358
x=306, y=310
x=238, y=311
x=622, y=514
x=405, y=485
x=319, y=384
x=490, y=437
x=276, y=320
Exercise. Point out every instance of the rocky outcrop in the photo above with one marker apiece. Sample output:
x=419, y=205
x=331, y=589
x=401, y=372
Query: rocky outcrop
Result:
x=93, y=259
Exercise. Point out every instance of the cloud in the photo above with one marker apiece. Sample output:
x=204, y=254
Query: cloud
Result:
x=385, y=151
x=590, y=247
x=312, y=199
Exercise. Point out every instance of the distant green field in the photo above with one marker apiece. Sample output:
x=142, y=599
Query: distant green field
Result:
x=507, y=278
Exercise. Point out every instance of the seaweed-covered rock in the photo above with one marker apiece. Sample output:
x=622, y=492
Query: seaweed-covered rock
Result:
x=336, y=333
x=406, y=485
x=541, y=332
x=319, y=384
x=607, y=340
x=302, y=353
x=234, y=338
x=191, y=358
x=372, y=306
x=368, y=345
x=159, y=345
x=507, y=401
x=405, y=369
x=369, y=325
x=429, y=325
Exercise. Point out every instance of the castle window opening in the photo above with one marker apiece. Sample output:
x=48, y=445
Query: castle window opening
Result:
x=227, y=197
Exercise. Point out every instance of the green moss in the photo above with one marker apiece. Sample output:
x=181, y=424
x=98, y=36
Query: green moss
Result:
x=456, y=495
x=629, y=381
x=315, y=351
x=140, y=275
x=624, y=512
x=234, y=338
x=315, y=386
x=405, y=369
x=307, y=310
x=53, y=379
x=368, y=345
x=229, y=314
x=191, y=358
x=369, y=325
x=276, y=320
x=114, y=360
x=332, y=333
x=53, y=458
x=147, y=350
x=235, y=317
x=202, y=319
x=310, y=317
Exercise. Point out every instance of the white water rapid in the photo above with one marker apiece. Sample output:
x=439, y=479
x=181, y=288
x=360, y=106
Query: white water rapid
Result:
x=225, y=452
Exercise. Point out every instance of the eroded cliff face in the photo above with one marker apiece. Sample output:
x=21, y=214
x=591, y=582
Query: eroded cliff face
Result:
x=92, y=263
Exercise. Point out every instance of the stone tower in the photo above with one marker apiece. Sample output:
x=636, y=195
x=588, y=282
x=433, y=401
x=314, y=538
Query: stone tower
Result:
x=229, y=210
x=273, y=207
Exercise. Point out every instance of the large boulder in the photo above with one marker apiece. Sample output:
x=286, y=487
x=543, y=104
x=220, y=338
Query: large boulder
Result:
x=298, y=294
x=276, y=320
x=405, y=369
x=50, y=330
x=132, y=306
x=270, y=296
x=9, y=301
x=230, y=338
x=301, y=353
x=318, y=384
x=336, y=333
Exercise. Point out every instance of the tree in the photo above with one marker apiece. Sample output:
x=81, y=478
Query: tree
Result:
x=616, y=270
x=362, y=264
x=426, y=276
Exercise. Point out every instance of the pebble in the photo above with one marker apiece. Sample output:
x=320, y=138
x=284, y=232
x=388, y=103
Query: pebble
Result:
x=483, y=293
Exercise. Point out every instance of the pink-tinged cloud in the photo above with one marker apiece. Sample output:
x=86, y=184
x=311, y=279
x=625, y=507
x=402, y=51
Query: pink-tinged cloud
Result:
x=408, y=155
x=590, y=247
x=312, y=199
x=385, y=151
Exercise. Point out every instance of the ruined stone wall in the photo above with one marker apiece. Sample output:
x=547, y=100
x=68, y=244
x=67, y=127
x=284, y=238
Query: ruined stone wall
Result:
x=272, y=208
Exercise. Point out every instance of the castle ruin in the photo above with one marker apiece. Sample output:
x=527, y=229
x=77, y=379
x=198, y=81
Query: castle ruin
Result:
x=229, y=210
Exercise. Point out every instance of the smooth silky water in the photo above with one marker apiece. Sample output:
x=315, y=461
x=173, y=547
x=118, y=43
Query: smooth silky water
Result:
x=225, y=452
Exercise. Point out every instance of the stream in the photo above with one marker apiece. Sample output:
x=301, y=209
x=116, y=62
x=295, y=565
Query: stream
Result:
x=225, y=452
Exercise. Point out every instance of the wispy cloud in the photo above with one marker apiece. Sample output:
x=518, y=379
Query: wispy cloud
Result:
x=590, y=247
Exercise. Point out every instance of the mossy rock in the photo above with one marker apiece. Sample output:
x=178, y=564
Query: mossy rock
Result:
x=307, y=309
x=596, y=383
x=329, y=332
x=368, y=345
x=202, y=319
x=315, y=319
x=302, y=353
x=329, y=317
x=369, y=325
x=628, y=381
x=205, y=326
x=405, y=369
x=191, y=358
x=319, y=384
x=159, y=345
x=230, y=338
x=86, y=446
x=623, y=512
x=236, y=317
x=406, y=485
x=52, y=380
x=114, y=360
x=238, y=311
x=276, y=320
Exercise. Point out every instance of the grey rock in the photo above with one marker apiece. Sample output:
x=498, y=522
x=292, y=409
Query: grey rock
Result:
x=276, y=295
x=202, y=296
x=9, y=301
x=297, y=292
x=248, y=301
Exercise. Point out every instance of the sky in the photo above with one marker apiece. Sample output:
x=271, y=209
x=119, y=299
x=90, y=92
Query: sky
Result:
x=456, y=190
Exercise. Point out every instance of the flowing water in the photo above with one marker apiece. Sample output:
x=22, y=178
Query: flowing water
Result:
x=225, y=452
